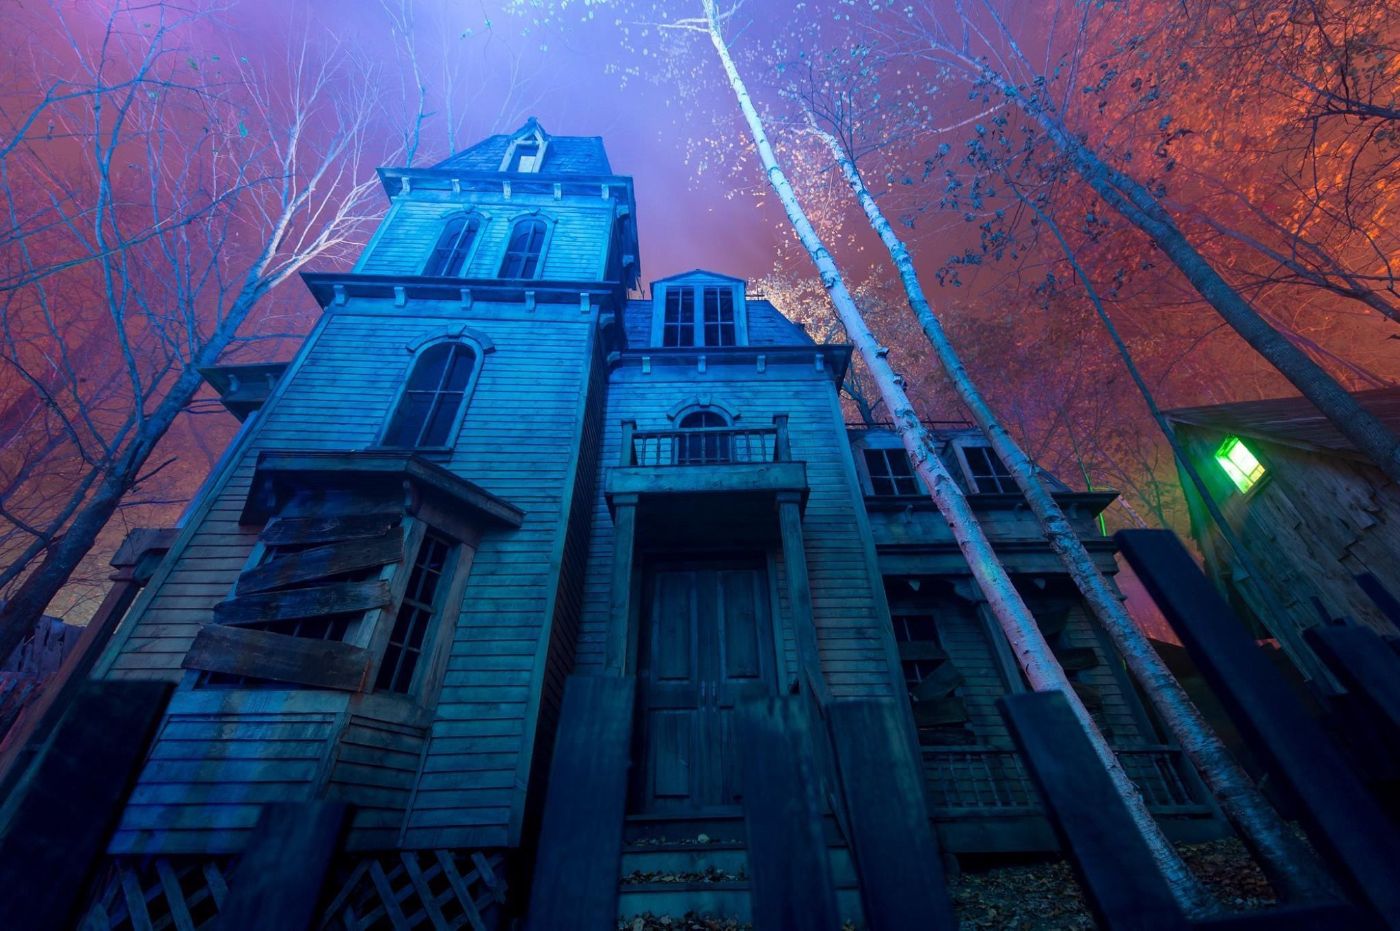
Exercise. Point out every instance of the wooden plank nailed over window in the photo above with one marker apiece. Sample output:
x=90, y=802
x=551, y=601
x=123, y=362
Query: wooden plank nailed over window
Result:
x=301, y=531
x=321, y=562
x=239, y=651
x=345, y=598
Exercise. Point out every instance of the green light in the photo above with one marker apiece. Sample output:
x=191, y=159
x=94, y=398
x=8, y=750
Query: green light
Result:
x=1239, y=463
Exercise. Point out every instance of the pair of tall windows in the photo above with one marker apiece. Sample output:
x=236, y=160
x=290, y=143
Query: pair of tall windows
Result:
x=715, y=323
x=524, y=248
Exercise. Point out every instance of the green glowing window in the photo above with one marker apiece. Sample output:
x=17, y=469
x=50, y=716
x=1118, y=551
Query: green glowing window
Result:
x=1239, y=463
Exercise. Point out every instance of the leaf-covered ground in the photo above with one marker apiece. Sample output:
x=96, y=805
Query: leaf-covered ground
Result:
x=1043, y=896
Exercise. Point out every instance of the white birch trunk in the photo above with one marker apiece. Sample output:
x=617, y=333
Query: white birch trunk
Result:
x=1241, y=801
x=1028, y=644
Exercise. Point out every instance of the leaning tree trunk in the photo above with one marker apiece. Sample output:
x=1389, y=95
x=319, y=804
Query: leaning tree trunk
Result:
x=23, y=609
x=1288, y=862
x=1027, y=642
x=1141, y=208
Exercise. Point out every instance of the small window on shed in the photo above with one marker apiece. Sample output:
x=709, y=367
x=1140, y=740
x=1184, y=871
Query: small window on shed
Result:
x=890, y=472
x=1244, y=469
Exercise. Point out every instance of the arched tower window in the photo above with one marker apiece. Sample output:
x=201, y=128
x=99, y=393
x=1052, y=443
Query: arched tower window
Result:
x=705, y=439
x=433, y=398
x=454, y=246
x=524, y=249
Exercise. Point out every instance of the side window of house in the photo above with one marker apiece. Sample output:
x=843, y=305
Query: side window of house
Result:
x=430, y=408
x=890, y=472
x=524, y=249
x=985, y=472
x=416, y=616
x=454, y=246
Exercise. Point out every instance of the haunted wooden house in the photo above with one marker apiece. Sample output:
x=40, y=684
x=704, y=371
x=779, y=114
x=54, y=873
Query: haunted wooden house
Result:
x=498, y=557
x=1318, y=522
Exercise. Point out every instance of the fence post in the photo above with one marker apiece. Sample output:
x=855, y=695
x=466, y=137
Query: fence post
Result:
x=1340, y=816
x=782, y=444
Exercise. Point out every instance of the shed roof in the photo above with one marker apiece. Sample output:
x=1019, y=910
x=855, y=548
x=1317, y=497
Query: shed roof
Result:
x=1290, y=421
x=564, y=155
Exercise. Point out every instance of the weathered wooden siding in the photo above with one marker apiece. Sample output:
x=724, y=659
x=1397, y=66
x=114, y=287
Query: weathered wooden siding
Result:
x=1313, y=523
x=575, y=250
x=517, y=441
x=848, y=611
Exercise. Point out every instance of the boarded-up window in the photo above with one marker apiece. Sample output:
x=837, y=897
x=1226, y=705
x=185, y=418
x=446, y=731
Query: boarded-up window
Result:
x=454, y=245
x=432, y=401
x=524, y=249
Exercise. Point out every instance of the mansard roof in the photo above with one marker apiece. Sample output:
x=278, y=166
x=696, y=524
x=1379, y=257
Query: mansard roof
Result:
x=563, y=155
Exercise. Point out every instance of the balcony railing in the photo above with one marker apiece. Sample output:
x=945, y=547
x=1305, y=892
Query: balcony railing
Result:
x=992, y=781
x=706, y=445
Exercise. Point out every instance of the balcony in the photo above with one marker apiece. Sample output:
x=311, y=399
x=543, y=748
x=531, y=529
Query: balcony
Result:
x=706, y=476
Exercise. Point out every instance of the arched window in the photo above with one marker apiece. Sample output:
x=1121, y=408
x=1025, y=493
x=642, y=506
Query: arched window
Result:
x=523, y=252
x=454, y=246
x=432, y=401
x=705, y=439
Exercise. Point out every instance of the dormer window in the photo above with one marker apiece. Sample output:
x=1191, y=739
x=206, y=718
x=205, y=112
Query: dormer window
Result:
x=525, y=154
x=695, y=311
x=986, y=473
x=526, y=157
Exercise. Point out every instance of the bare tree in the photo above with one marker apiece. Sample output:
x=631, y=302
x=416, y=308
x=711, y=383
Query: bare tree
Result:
x=153, y=199
x=974, y=44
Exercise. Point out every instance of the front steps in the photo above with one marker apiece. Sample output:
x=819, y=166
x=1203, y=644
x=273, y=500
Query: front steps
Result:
x=672, y=868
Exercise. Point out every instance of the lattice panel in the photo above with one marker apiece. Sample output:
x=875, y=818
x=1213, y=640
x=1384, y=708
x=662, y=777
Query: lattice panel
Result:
x=441, y=890
x=158, y=893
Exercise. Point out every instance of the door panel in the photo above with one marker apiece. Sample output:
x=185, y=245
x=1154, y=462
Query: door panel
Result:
x=706, y=638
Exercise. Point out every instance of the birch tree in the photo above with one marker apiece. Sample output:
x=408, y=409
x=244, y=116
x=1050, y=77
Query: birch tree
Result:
x=1028, y=644
x=830, y=117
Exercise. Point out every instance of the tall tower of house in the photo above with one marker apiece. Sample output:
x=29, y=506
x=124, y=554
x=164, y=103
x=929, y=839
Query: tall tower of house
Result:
x=502, y=559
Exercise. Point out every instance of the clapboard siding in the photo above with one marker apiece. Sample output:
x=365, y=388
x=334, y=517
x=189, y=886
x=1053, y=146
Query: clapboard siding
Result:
x=516, y=441
x=575, y=250
x=208, y=774
x=847, y=610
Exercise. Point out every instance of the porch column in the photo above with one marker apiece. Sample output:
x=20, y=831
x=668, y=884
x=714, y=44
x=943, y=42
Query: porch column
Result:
x=800, y=594
x=621, y=657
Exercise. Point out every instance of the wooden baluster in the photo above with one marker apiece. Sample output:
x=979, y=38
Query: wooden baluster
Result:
x=782, y=448
x=625, y=458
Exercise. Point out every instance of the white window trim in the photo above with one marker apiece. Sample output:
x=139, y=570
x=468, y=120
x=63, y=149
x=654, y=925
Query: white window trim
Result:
x=534, y=137
x=698, y=285
x=960, y=446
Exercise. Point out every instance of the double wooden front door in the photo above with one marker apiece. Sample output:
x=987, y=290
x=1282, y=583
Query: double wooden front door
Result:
x=706, y=638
